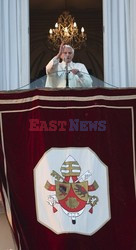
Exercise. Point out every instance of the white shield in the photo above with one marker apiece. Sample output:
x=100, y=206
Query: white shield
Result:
x=86, y=223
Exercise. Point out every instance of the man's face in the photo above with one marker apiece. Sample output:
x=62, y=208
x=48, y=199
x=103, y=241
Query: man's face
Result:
x=67, y=55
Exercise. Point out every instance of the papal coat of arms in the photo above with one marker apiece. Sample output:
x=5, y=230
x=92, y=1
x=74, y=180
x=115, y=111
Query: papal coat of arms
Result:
x=71, y=186
x=73, y=192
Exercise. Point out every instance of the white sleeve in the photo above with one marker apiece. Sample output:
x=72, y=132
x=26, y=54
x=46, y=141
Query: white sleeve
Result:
x=52, y=65
x=84, y=77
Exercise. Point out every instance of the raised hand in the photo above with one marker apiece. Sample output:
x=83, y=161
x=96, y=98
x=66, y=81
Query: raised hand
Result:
x=60, y=50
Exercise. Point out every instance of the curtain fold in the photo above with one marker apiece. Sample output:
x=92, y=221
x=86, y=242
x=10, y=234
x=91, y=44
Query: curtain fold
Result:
x=14, y=47
x=119, y=42
x=133, y=40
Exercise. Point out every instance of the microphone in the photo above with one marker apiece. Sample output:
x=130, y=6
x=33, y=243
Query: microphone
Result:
x=67, y=80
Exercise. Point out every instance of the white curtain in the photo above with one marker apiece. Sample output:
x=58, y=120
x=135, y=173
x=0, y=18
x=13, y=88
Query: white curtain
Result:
x=133, y=42
x=119, y=24
x=14, y=44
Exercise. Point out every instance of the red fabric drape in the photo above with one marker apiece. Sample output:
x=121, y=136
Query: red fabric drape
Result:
x=23, y=143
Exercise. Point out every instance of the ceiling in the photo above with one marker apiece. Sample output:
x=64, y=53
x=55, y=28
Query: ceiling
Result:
x=65, y=4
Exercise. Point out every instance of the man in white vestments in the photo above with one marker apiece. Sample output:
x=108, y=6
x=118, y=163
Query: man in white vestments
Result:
x=66, y=73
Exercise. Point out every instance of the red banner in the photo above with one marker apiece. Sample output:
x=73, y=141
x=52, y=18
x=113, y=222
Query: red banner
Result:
x=67, y=168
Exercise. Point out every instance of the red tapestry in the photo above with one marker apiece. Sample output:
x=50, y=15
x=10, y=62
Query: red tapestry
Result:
x=67, y=168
